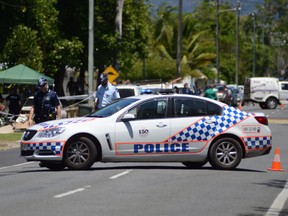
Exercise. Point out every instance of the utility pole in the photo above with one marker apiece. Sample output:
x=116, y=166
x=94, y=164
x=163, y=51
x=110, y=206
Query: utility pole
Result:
x=217, y=41
x=237, y=42
x=254, y=44
x=91, y=50
x=118, y=24
x=179, y=40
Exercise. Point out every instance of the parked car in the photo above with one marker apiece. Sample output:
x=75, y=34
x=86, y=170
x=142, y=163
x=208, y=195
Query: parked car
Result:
x=187, y=129
x=128, y=90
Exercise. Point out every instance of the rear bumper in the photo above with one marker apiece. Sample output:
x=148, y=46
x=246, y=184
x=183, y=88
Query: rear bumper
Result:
x=258, y=152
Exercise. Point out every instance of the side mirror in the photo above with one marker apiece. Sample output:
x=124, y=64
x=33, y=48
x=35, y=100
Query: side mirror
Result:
x=128, y=117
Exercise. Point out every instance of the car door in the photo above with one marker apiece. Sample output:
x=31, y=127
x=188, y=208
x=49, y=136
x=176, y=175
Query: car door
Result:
x=145, y=135
x=193, y=124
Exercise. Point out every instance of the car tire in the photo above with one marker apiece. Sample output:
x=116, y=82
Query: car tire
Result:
x=271, y=103
x=80, y=154
x=225, y=154
x=194, y=165
x=263, y=105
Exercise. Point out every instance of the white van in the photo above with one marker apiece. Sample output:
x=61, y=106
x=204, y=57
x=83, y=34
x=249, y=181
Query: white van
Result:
x=267, y=91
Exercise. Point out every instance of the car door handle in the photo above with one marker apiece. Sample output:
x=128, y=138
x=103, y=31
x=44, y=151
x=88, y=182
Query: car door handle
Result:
x=161, y=125
x=210, y=121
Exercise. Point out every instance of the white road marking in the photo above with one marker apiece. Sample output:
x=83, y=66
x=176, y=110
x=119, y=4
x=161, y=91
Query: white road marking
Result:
x=120, y=174
x=16, y=165
x=279, y=202
x=68, y=193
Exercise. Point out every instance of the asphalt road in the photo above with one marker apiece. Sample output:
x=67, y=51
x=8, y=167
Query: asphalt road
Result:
x=148, y=188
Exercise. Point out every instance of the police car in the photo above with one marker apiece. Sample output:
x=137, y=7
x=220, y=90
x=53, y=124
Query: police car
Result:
x=188, y=129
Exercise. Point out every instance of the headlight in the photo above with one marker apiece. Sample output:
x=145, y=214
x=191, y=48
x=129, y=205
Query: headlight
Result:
x=51, y=132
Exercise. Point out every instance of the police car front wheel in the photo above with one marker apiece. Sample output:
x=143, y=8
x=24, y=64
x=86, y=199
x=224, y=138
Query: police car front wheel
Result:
x=225, y=153
x=80, y=154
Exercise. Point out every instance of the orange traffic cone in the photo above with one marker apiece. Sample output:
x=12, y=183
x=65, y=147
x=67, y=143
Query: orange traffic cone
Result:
x=276, y=166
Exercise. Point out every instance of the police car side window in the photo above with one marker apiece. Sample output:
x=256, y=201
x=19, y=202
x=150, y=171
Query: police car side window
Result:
x=150, y=110
x=213, y=109
x=184, y=107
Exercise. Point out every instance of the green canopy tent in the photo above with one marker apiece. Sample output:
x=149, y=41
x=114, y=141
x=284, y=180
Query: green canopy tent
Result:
x=20, y=74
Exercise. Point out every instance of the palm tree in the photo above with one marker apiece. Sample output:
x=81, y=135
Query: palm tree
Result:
x=193, y=52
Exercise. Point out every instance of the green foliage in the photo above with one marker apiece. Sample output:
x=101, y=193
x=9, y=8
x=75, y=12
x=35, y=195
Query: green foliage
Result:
x=49, y=35
x=196, y=53
x=65, y=52
x=22, y=48
x=156, y=68
x=135, y=39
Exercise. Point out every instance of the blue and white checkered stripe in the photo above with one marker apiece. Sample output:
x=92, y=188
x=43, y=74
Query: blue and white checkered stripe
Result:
x=47, y=125
x=201, y=131
x=257, y=142
x=56, y=147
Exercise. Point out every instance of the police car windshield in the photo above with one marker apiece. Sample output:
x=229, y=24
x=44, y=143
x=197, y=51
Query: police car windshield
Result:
x=113, y=108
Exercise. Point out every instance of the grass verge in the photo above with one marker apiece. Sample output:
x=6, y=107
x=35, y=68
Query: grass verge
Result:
x=11, y=136
x=9, y=140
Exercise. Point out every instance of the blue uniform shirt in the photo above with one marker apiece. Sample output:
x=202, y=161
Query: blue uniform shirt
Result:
x=106, y=95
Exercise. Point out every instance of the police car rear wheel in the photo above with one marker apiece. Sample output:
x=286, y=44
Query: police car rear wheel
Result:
x=225, y=154
x=194, y=165
x=80, y=154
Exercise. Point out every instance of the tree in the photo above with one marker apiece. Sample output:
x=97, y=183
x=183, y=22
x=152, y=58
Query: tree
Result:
x=194, y=54
x=52, y=52
x=135, y=33
x=22, y=48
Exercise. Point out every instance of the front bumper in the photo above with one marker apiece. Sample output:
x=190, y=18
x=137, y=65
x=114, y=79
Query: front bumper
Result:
x=41, y=151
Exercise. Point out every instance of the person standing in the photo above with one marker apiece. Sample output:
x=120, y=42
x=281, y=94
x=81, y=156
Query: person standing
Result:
x=176, y=90
x=14, y=103
x=46, y=105
x=106, y=93
x=186, y=90
x=210, y=93
x=71, y=87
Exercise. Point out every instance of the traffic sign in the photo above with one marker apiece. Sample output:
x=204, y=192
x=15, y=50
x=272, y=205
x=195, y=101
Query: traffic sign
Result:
x=112, y=74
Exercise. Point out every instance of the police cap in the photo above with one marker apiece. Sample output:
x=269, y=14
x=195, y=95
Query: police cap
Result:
x=42, y=82
x=103, y=77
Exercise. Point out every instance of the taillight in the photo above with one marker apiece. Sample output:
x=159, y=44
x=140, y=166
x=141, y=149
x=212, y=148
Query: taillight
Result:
x=262, y=119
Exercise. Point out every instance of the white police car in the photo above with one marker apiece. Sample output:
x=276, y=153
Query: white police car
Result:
x=151, y=128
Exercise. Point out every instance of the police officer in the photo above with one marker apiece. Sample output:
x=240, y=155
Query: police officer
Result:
x=46, y=104
x=106, y=93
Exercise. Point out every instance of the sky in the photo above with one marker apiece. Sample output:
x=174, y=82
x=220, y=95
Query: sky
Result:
x=247, y=6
